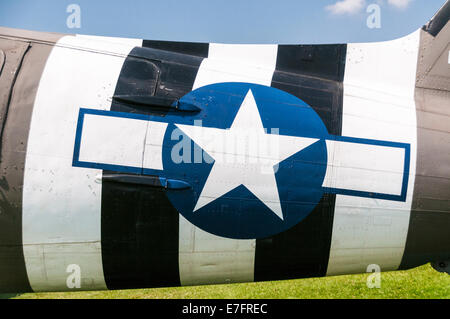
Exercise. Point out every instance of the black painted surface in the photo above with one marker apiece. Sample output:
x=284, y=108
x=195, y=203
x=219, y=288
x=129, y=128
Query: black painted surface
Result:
x=191, y=48
x=299, y=252
x=324, y=96
x=150, y=72
x=322, y=61
x=315, y=75
x=428, y=238
x=139, y=237
x=140, y=227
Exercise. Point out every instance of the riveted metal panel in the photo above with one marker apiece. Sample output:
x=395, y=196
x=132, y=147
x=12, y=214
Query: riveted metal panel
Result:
x=23, y=65
x=428, y=238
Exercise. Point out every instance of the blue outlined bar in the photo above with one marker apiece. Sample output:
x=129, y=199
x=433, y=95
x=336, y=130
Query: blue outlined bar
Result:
x=396, y=162
x=131, y=159
x=400, y=164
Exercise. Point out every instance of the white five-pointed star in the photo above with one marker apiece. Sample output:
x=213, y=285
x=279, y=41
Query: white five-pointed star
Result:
x=245, y=155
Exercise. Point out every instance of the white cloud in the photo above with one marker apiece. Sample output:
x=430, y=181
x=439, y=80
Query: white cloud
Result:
x=402, y=4
x=347, y=6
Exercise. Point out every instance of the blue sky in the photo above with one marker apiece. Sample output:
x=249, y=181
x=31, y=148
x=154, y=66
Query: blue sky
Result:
x=225, y=21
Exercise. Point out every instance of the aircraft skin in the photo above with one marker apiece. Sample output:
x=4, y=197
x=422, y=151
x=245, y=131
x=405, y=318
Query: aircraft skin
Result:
x=89, y=126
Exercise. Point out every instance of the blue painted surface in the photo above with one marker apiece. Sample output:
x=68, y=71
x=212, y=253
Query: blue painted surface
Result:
x=239, y=214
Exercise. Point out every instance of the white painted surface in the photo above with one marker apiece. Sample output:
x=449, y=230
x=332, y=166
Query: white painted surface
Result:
x=378, y=104
x=262, y=55
x=237, y=63
x=106, y=140
x=209, y=259
x=205, y=258
x=124, y=41
x=61, y=203
x=364, y=167
x=154, y=145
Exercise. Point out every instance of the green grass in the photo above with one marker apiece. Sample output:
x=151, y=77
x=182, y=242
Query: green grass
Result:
x=418, y=283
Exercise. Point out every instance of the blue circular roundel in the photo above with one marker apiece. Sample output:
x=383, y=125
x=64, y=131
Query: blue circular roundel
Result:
x=255, y=158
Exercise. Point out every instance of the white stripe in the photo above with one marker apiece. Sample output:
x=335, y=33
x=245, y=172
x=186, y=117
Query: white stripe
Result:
x=378, y=104
x=205, y=258
x=364, y=167
x=106, y=140
x=124, y=41
x=237, y=63
x=263, y=55
x=61, y=203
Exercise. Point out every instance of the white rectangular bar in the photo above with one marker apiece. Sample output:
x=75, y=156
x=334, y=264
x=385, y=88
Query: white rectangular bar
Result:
x=365, y=167
x=154, y=144
x=106, y=140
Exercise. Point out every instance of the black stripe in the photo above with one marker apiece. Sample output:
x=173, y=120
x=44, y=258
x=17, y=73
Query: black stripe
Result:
x=326, y=62
x=191, y=48
x=314, y=74
x=140, y=227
